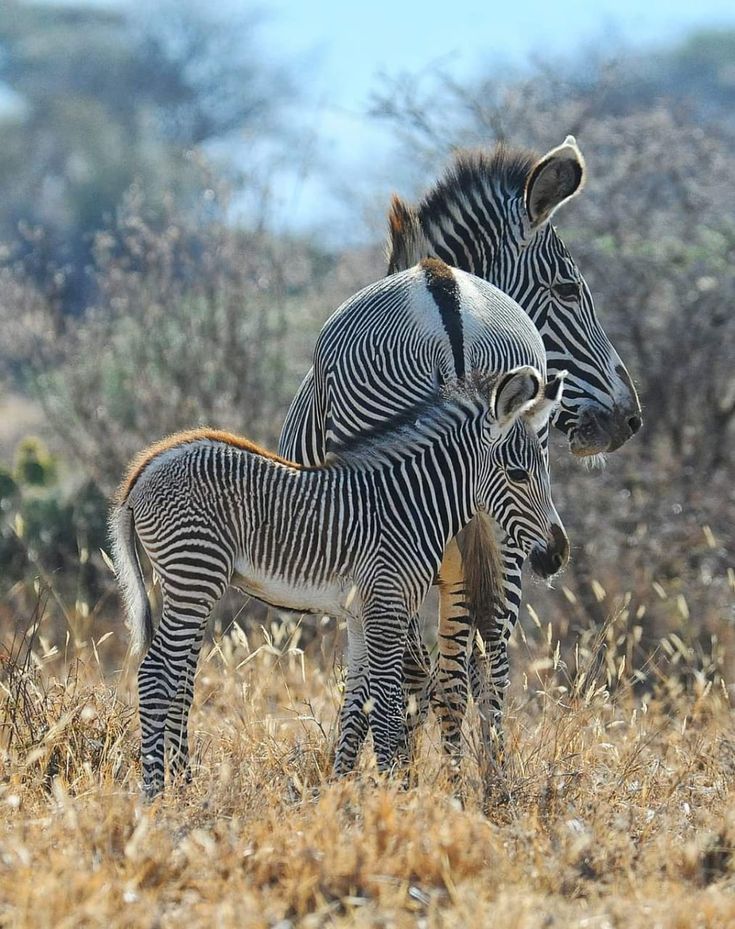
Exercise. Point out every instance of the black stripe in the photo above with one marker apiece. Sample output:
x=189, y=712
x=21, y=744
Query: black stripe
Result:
x=442, y=286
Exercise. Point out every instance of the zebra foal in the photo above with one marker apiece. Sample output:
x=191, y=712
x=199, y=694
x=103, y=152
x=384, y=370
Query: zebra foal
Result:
x=360, y=537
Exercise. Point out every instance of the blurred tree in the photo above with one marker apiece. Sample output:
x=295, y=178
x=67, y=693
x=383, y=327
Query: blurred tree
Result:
x=105, y=98
x=34, y=466
x=201, y=75
x=198, y=323
x=8, y=487
x=703, y=68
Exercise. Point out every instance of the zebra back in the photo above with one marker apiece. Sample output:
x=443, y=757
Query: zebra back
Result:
x=392, y=344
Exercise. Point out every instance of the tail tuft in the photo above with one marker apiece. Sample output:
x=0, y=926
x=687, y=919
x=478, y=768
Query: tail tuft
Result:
x=130, y=577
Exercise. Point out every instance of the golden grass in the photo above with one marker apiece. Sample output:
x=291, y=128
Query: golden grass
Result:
x=619, y=807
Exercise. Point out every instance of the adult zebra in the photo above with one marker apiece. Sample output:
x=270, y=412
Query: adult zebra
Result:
x=488, y=215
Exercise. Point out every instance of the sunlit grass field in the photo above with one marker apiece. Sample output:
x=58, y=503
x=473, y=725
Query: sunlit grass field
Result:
x=616, y=808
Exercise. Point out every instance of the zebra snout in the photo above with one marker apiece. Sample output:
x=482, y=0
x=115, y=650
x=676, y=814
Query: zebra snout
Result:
x=600, y=430
x=620, y=424
x=551, y=558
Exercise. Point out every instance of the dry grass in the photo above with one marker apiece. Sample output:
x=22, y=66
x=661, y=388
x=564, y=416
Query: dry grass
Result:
x=618, y=811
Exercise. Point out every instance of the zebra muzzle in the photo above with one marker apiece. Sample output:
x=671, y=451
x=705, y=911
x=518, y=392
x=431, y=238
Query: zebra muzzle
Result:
x=599, y=430
x=551, y=558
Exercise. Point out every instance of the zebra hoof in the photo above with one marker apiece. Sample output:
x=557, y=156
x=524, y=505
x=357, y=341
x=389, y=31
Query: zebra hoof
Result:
x=408, y=774
x=152, y=788
x=301, y=793
x=180, y=779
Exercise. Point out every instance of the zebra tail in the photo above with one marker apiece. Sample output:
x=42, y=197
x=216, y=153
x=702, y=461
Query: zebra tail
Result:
x=483, y=573
x=130, y=577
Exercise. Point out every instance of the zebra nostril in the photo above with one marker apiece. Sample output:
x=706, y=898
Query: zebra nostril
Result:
x=635, y=423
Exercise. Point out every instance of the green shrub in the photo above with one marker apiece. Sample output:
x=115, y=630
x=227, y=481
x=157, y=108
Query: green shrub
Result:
x=34, y=465
x=8, y=487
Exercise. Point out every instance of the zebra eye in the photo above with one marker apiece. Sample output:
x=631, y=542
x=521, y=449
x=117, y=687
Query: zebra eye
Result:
x=568, y=291
x=518, y=475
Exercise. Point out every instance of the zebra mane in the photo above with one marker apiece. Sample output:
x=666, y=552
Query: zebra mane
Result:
x=186, y=437
x=416, y=427
x=505, y=168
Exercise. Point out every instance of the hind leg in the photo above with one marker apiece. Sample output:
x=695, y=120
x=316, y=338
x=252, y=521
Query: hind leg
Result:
x=416, y=682
x=177, y=720
x=489, y=667
x=164, y=669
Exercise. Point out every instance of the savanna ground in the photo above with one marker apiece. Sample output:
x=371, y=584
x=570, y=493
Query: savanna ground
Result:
x=617, y=806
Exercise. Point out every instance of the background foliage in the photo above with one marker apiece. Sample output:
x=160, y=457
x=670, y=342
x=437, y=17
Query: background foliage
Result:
x=144, y=288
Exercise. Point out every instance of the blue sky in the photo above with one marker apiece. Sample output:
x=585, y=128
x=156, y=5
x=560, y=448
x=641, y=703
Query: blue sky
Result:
x=338, y=50
x=354, y=42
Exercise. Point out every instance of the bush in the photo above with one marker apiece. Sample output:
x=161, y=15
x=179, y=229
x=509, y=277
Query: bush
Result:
x=198, y=323
x=34, y=466
x=8, y=487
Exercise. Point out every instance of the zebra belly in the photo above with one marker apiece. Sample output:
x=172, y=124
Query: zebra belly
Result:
x=338, y=598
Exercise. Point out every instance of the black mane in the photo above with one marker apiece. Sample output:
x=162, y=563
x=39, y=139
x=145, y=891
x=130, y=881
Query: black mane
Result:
x=505, y=167
x=409, y=425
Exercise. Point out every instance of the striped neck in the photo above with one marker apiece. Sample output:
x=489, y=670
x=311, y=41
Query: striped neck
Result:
x=442, y=418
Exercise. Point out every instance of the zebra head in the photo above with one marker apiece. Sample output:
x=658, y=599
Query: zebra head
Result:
x=517, y=487
x=490, y=215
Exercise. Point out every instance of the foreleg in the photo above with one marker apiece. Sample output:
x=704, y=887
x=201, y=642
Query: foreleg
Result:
x=449, y=695
x=489, y=666
x=386, y=630
x=354, y=721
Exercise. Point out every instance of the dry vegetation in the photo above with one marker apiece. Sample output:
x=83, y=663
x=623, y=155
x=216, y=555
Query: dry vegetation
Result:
x=616, y=809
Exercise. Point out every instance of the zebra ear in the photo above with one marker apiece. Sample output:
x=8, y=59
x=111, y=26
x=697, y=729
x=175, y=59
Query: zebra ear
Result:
x=548, y=401
x=554, y=179
x=516, y=393
x=555, y=387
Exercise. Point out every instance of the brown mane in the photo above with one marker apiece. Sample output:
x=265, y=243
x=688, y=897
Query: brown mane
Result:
x=187, y=437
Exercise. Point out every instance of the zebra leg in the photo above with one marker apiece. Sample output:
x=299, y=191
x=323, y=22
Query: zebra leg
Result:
x=159, y=677
x=489, y=667
x=416, y=680
x=354, y=723
x=164, y=668
x=449, y=694
x=177, y=721
x=386, y=631
x=488, y=692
